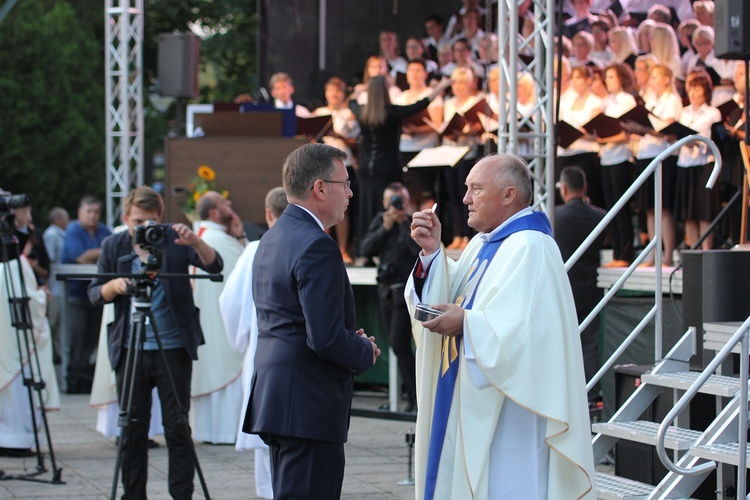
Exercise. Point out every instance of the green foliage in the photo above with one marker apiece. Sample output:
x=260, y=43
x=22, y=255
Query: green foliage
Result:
x=52, y=103
x=51, y=106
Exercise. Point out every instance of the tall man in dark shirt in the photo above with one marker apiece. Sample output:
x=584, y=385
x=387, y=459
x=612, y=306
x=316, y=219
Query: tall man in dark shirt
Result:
x=574, y=221
x=389, y=238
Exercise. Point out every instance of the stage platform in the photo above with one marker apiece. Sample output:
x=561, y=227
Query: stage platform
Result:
x=643, y=279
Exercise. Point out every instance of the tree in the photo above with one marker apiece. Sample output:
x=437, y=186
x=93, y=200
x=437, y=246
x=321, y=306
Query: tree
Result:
x=51, y=106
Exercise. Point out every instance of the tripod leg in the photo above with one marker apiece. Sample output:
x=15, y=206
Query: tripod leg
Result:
x=127, y=382
x=31, y=371
x=175, y=411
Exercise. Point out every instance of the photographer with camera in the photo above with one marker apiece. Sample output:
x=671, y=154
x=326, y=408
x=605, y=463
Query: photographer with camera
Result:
x=389, y=238
x=176, y=320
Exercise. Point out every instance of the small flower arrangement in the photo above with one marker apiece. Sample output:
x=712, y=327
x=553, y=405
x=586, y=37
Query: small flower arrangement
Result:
x=204, y=181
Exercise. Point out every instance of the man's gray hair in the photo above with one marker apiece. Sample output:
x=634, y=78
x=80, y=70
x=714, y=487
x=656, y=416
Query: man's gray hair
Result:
x=514, y=171
x=276, y=201
x=57, y=214
x=306, y=164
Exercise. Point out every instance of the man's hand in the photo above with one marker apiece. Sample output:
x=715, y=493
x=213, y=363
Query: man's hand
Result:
x=425, y=230
x=206, y=253
x=186, y=235
x=115, y=287
x=450, y=323
x=375, y=348
x=393, y=217
x=236, y=228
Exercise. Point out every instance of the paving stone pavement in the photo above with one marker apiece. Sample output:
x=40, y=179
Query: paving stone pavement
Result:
x=376, y=460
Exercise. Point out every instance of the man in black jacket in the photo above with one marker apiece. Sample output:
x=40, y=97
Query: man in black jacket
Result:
x=574, y=221
x=176, y=320
x=389, y=238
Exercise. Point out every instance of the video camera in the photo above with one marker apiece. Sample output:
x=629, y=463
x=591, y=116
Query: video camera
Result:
x=7, y=203
x=10, y=201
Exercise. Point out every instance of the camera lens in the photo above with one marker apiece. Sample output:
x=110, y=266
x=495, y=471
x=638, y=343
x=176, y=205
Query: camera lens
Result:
x=397, y=202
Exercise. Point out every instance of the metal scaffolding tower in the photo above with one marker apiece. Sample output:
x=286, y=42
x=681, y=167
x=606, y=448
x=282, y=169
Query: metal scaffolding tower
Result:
x=538, y=125
x=124, y=101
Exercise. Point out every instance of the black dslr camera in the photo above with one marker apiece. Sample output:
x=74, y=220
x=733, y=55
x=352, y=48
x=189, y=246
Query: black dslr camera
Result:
x=397, y=202
x=150, y=236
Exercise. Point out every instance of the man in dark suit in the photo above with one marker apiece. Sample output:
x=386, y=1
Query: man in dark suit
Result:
x=176, y=320
x=308, y=347
x=574, y=221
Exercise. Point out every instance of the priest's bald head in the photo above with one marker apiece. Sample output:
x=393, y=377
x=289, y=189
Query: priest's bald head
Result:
x=498, y=187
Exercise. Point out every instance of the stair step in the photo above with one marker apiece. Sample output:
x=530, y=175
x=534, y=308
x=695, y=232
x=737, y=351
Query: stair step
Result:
x=718, y=334
x=611, y=487
x=642, y=431
x=725, y=453
x=717, y=385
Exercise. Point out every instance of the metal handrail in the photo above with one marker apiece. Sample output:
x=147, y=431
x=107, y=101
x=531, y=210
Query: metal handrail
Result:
x=740, y=336
x=654, y=245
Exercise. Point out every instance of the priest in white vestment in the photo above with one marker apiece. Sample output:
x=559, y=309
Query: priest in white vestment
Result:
x=240, y=321
x=16, y=429
x=216, y=385
x=500, y=384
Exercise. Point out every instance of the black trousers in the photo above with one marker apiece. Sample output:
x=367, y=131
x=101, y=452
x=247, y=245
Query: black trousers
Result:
x=134, y=460
x=616, y=179
x=304, y=469
x=397, y=321
x=84, y=322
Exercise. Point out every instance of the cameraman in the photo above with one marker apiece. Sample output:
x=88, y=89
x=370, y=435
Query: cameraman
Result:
x=176, y=318
x=389, y=237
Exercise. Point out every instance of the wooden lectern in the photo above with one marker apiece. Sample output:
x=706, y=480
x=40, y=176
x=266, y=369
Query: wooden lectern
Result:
x=246, y=150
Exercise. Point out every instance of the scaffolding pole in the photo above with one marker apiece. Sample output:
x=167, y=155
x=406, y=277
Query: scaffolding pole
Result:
x=124, y=102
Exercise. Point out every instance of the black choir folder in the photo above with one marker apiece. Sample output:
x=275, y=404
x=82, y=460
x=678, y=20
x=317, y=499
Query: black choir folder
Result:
x=731, y=112
x=313, y=126
x=639, y=114
x=603, y=126
x=454, y=126
x=567, y=134
x=417, y=119
x=677, y=129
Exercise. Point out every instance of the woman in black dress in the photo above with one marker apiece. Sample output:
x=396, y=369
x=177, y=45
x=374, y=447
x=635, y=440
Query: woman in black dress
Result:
x=379, y=157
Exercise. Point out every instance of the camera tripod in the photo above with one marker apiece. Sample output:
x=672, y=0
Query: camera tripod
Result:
x=31, y=376
x=142, y=316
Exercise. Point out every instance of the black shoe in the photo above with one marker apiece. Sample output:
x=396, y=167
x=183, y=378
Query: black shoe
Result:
x=16, y=452
x=152, y=445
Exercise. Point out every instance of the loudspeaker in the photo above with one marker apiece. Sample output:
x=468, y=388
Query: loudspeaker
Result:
x=178, y=64
x=732, y=29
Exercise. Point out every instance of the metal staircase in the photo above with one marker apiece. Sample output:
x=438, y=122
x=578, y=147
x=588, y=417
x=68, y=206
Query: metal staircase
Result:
x=696, y=453
x=693, y=454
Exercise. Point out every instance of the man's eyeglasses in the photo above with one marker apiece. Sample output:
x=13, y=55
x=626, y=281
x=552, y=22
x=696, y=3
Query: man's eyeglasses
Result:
x=347, y=183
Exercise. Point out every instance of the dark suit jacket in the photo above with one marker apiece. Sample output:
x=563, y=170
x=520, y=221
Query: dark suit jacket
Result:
x=175, y=259
x=308, y=351
x=574, y=221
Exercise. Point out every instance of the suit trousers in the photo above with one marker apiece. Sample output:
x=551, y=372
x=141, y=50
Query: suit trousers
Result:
x=305, y=468
x=134, y=460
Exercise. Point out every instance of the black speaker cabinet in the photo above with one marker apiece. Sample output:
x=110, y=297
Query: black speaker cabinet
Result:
x=178, y=64
x=732, y=29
